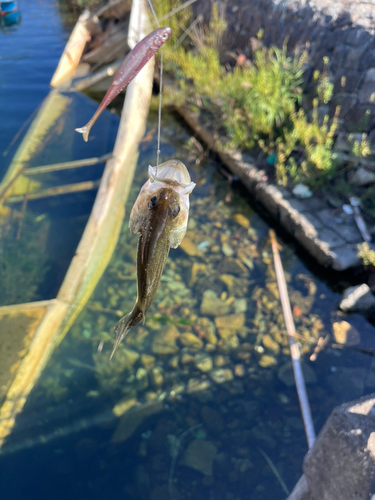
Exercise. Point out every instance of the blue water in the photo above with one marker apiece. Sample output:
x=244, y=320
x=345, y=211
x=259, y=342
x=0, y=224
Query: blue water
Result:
x=63, y=443
x=29, y=53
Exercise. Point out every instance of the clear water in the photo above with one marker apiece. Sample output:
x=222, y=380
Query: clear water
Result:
x=69, y=442
x=28, y=57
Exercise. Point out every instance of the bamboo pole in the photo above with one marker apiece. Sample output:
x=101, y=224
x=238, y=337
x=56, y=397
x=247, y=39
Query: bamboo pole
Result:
x=294, y=350
x=89, y=81
x=56, y=167
x=97, y=243
x=72, y=53
x=50, y=111
x=56, y=191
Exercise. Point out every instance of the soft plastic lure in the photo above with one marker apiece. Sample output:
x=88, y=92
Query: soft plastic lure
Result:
x=129, y=69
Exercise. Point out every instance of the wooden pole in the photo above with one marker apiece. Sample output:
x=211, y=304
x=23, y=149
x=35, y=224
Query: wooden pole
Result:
x=57, y=191
x=97, y=243
x=89, y=81
x=294, y=350
x=56, y=167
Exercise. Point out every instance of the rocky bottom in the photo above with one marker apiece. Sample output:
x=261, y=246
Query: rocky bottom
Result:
x=198, y=400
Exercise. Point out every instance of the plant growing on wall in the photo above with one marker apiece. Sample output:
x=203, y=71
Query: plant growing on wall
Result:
x=366, y=254
x=258, y=104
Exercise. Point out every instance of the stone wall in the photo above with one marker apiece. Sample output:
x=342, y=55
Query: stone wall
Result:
x=342, y=30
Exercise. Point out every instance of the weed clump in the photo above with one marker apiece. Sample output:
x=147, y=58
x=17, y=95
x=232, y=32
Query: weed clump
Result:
x=259, y=103
x=366, y=255
x=23, y=266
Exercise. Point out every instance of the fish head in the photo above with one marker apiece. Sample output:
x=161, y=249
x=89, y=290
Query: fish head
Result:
x=165, y=195
x=165, y=201
x=161, y=36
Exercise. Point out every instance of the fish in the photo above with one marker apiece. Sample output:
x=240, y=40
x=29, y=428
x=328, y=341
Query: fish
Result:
x=160, y=216
x=129, y=69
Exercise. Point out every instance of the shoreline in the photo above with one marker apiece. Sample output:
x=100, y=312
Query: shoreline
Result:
x=327, y=234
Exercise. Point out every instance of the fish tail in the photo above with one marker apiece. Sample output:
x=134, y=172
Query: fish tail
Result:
x=84, y=131
x=124, y=325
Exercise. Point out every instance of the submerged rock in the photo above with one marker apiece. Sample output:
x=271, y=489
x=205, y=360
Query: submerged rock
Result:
x=133, y=418
x=274, y=289
x=190, y=248
x=228, y=280
x=206, y=329
x=197, y=385
x=203, y=362
x=227, y=250
x=173, y=363
x=358, y=299
x=212, y=305
x=345, y=333
x=187, y=358
x=232, y=266
x=239, y=370
x=240, y=306
x=157, y=377
x=241, y=220
x=271, y=344
x=141, y=379
x=220, y=360
x=190, y=340
x=212, y=419
x=221, y=375
x=165, y=341
x=200, y=455
x=266, y=361
x=285, y=374
x=123, y=406
x=232, y=322
x=147, y=361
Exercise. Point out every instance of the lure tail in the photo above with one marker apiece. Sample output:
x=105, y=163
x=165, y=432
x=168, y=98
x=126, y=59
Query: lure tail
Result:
x=124, y=325
x=84, y=131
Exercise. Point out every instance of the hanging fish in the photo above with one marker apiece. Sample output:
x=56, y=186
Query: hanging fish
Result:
x=159, y=216
x=129, y=69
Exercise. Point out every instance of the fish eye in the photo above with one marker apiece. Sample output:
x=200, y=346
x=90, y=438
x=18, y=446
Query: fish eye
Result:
x=153, y=202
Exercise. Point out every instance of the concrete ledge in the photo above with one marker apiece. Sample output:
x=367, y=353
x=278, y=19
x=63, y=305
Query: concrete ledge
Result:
x=328, y=235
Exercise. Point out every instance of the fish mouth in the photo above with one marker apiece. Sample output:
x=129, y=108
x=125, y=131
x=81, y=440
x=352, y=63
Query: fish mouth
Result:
x=174, y=173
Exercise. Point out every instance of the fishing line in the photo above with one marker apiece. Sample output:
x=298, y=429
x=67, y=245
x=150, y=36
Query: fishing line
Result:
x=160, y=88
x=154, y=13
x=159, y=110
x=175, y=454
x=187, y=32
x=21, y=129
x=174, y=11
